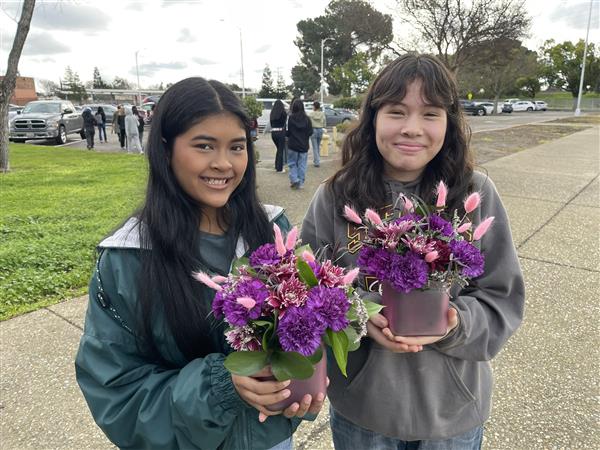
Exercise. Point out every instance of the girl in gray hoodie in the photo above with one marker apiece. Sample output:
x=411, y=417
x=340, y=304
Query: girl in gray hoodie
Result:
x=417, y=392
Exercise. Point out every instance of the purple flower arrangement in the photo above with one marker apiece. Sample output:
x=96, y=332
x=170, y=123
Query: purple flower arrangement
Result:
x=423, y=247
x=281, y=305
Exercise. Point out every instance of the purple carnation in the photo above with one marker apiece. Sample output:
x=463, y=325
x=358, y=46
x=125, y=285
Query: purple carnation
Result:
x=437, y=223
x=407, y=272
x=469, y=257
x=413, y=217
x=331, y=304
x=374, y=261
x=300, y=330
x=265, y=255
x=237, y=314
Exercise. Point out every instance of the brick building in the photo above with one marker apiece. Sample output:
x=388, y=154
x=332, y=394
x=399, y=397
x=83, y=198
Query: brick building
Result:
x=24, y=91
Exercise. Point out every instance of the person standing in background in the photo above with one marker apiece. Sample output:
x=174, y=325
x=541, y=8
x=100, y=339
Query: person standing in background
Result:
x=298, y=131
x=120, y=125
x=317, y=118
x=131, y=130
x=89, y=125
x=278, y=120
x=140, y=127
x=101, y=122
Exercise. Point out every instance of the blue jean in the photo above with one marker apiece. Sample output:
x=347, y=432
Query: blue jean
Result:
x=102, y=132
x=284, y=445
x=315, y=140
x=297, y=165
x=348, y=436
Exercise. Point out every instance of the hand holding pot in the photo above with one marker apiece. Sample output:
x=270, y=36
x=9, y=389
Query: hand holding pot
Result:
x=424, y=340
x=377, y=329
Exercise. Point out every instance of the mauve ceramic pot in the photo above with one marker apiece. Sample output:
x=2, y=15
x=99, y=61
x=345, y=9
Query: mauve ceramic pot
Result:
x=299, y=388
x=416, y=313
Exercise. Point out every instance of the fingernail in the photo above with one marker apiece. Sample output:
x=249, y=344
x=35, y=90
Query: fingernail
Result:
x=286, y=393
x=320, y=397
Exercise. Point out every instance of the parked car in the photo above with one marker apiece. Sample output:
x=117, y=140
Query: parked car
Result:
x=13, y=110
x=46, y=119
x=109, y=110
x=511, y=100
x=541, y=105
x=146, y=110
x=334, y=116
x=507, y=108
x=481, y=108
x=523, y=105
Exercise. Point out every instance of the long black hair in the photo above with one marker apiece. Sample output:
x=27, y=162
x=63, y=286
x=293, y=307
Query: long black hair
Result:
x=360, y=183
x=170, y=218
x=278, y=111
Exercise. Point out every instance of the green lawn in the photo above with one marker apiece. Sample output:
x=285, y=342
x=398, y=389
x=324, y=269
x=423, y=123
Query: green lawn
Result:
x=56, y=204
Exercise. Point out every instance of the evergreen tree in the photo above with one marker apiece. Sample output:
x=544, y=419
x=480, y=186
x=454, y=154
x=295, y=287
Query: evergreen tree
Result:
x=98, y=82
x=280, y=88
x=266, y=90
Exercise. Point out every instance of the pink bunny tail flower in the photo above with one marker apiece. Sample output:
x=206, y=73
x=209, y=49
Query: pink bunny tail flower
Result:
x=292, y=236
x=350, y=276
x=246, y=302
x=219, y=279
x=464, y=227
x=408, y=205
x=472, y=202
x=373, y=217
x=482, y=228
x=442, y=193
x=279, y=245
x=205, y=279
x=431, y=256
x=308, y=256
x=351, y=215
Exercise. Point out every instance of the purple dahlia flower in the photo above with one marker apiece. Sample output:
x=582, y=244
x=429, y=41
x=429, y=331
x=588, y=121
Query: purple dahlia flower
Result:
x=437, y=223
x=468, y=256
x=331, y=304
x=300, y=330
x=237, y=314
x=265, y=255
x=407, y=272
x=374, y=261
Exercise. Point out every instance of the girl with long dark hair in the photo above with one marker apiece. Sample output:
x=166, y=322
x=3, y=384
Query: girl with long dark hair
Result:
x=150, y=362
x=299, y=131
x=278, y=119
x=428, y=392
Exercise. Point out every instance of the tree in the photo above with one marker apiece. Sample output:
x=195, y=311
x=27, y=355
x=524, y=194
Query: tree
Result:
x=561, y=65
x=496, y=67
x=266, y=90
x=121, y=83
x=98, y=82
x=280, y=88
x=72, y=86
x=531, y=85
x=354, y=76
x=352, y=26
x=455, y=29
x=253, y=106
x=49, y=86
x=305, y=81
x=9, y=81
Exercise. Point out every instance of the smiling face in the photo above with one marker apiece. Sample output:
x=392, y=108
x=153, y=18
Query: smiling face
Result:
x=209, y=161
x=409, y=134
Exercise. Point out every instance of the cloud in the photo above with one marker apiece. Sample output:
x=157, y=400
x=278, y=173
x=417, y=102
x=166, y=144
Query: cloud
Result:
x=135, y=6
x=64, y=16
x=150, y=69
x=203, y=61
x=185, y=36
x=38, y=44
x=576, y=15
x=263, y=49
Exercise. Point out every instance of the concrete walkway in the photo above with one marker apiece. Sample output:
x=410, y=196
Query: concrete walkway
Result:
x=546, y=393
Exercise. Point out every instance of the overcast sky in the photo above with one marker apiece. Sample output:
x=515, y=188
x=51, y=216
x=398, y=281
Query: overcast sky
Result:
x=177, y=39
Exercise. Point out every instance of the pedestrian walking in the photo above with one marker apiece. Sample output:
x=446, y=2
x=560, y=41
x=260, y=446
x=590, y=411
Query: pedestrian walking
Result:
x=299, y=130
x=119, y=125
x=429, y=392
x=131, y=130
x=151, y=359
x=100, y=117
x=136, y=113
x=278, y=120
x=89, y=126
x=318, y=120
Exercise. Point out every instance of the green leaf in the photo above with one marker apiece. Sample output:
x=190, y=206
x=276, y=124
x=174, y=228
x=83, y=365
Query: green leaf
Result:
x=243, y=261
x=262, y=323
x=316, y=356
x=306, y=274
x=287, y=365
x=246, y=363
x=353, y=341
x=339, y=341
x=372, y=307
x=302, y=249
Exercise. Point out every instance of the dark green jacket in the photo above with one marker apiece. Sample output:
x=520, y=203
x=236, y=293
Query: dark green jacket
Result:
x=139, y=404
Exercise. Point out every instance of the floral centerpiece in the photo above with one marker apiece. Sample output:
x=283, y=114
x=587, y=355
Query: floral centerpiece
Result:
x=281, y=305
x=418, y=250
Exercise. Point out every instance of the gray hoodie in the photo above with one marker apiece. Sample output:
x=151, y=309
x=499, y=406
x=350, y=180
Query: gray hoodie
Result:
x=444, y=390
x=131, y=123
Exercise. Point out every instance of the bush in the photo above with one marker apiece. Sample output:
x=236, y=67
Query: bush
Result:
x=253, y=107
x=353, y=103
x=344, y=127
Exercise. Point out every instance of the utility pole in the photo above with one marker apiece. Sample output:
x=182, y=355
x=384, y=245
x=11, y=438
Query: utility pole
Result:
x=587, y=34
x=322, y=78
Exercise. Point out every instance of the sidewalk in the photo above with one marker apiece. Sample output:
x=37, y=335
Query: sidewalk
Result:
x=546, y=378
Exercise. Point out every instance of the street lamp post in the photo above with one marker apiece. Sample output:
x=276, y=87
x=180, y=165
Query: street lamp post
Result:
x=322, y=79
x=137, y=72
x=241, y=59
x=577, y=110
